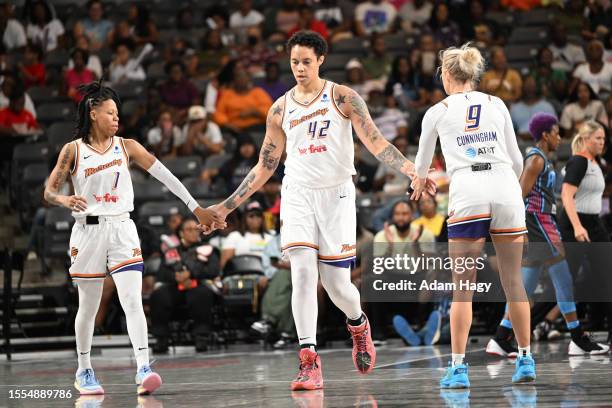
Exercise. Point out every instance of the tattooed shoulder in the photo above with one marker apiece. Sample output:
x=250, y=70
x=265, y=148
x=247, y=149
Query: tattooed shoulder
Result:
x=276, y=111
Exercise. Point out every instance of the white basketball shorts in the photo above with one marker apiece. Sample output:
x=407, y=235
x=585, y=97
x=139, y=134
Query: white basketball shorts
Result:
x=322, y=219
x=109, y=247
x=485, y=202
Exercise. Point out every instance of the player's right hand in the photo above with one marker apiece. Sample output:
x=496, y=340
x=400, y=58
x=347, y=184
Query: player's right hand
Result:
x=75, y=203
x=581, y=234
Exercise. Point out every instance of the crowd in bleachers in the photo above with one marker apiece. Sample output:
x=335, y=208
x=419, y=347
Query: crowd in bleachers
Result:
x=196, y=80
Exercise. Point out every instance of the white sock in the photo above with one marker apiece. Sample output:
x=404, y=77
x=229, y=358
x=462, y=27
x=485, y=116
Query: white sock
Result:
x=457, y=359
x=524, y=351
x=341, y=291
x=304, y=280
x=90, y=293
x=129, y=289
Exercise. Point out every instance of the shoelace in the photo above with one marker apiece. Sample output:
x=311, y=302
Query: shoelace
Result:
x=305, y=367
x=362, y=340
x=90, y=379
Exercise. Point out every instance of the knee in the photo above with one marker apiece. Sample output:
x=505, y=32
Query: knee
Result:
x=131, y=301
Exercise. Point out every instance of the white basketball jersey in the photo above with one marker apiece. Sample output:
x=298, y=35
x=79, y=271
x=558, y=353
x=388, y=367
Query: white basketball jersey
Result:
x=103, y=178
x=473, y=128
x=319, y=140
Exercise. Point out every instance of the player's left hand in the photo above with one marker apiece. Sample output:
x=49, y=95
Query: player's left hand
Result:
x=418, y=186
x=209, y=218
x=219, y=223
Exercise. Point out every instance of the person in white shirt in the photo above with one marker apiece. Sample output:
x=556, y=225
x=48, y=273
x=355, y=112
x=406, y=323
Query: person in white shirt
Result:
x=245, y=17
x=124, y=68
x=374, y=16
x=200, y=135
x=584, y=105
x=565, y=55
x=595, y=72
x=484, y=163
x=164, y=138
x=13, y=33
x=42, y=28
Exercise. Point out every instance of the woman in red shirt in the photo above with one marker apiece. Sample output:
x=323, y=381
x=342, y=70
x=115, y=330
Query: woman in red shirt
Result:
x=33, y=70
x=78, y=75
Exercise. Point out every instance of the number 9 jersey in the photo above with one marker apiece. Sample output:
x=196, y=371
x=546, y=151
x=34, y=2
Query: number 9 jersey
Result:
x=319, y=136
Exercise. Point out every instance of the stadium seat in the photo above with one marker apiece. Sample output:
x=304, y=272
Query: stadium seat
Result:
x=24, y=154
x=156, y=71
x=354, y=46
x=32, y=185
x=150, y=190
x=397, y=42
x=243, y=265
x=60, y=133
x=56, y=111
x=200, y=189
x=503, y=18
x=337, y=76
x=44, y=94
x=336, y=61
x=515, y=53
x=131, y=90
x=537, y=17
x=57, y=58
x=186, y=166
x=529, y=35
x=154, y=214
x=106, y=56
x=216, y=161
x=56, y=238
x=128, y=108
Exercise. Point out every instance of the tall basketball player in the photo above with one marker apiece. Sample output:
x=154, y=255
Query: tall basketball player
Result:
x=484, y=163
x=314, y=122
x=104, y=238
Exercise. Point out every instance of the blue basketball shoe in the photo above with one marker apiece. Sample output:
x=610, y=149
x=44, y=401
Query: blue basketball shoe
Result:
x=147, y=381
x=455, y=377
x=402, y=327
x=87, y=383
x=525, y=370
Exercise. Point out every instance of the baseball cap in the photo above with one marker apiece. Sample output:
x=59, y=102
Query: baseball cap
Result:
x=196, y=112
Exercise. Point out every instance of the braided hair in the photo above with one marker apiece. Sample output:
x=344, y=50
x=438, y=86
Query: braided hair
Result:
x=94, y=94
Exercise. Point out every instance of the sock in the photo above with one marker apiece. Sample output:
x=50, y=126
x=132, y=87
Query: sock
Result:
x=129, y=289
x=503, y=333
x=312, y=347
x=90, y=293
x=524, y=351
x=457, y=359
x=357, y=322
x=573, y=324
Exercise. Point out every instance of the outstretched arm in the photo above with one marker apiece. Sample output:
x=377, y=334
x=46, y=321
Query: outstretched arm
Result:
x=353, y=106
x=149, y=163
x=269, y=157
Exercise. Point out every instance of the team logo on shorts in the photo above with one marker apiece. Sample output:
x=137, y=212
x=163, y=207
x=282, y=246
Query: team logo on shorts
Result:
x=136, y=252
x=348, y=248
x=74, y=252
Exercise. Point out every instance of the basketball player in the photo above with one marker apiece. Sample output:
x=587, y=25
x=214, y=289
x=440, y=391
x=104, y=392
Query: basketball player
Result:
x=104, y=238
x=537, y=185
x=484, y=163
x=314, y=122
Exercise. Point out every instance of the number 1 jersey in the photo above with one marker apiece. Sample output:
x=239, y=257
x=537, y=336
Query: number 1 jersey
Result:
x=319, y=146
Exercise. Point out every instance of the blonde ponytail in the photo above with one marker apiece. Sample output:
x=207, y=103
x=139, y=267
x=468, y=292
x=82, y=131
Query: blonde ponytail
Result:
x=464, y=64
x=584, y=132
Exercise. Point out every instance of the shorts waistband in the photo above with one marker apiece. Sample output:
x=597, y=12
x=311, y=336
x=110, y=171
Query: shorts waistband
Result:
x=482, y=167
x=292, y=181
x=100, y=219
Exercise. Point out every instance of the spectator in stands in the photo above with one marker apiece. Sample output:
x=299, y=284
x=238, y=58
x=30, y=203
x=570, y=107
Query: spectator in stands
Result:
x=355, y=77
x=272, y=83
x=207, y=63
x=250, y=239
x=6, y=89
x=143, y=117
x=164, y=138
x=269, y=197
x=15, y=120
x=124, y=68
x=184, y=19
x=572, y=16
x=531, y=102
x=93, y=61
x=308, y=21
x=234, y=170
x=42, y=28
x=599, y=19
x=595, y=72
x=565, y=55
x=551, y=81
x=241, y=105
x=364, y=178
x=141, y=25
x=390, y=121
x=584, y=105
x=338, y=16
x=32, y=69
x=245, y=16
x=414, y=15
x=374, y=16
x=216, y=17
x=445, y=31
x=405, y=86
x=501, y=81
x=78, y=75
x=200, y=135
x=430, y=218
x=120, y=34
x=391, y=180
x=257, y=54
x=478, y=21
x=178, y=92
x=427, y=55
x=377, y=65
x=186, y=275
x=279, y=21
x=95, y=26
x=13, y=33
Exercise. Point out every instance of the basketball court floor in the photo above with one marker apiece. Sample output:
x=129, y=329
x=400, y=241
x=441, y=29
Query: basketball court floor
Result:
x=241, y=377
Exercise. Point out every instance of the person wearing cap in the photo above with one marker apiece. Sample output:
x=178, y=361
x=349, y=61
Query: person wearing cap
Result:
x=251, y=238
x=200, y=135
x=537, y=185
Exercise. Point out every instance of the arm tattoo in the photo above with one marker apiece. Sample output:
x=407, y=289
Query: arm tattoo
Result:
x=268, y=161
x=62, y=174
x=340, y=100
x=365, y=122
x=243, y=189
x=275, y=110
x=392, y=157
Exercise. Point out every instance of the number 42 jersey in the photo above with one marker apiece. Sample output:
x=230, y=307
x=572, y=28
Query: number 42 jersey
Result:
x=319, y=145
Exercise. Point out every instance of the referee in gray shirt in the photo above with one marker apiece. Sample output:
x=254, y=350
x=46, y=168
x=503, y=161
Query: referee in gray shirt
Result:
x=579, y=222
